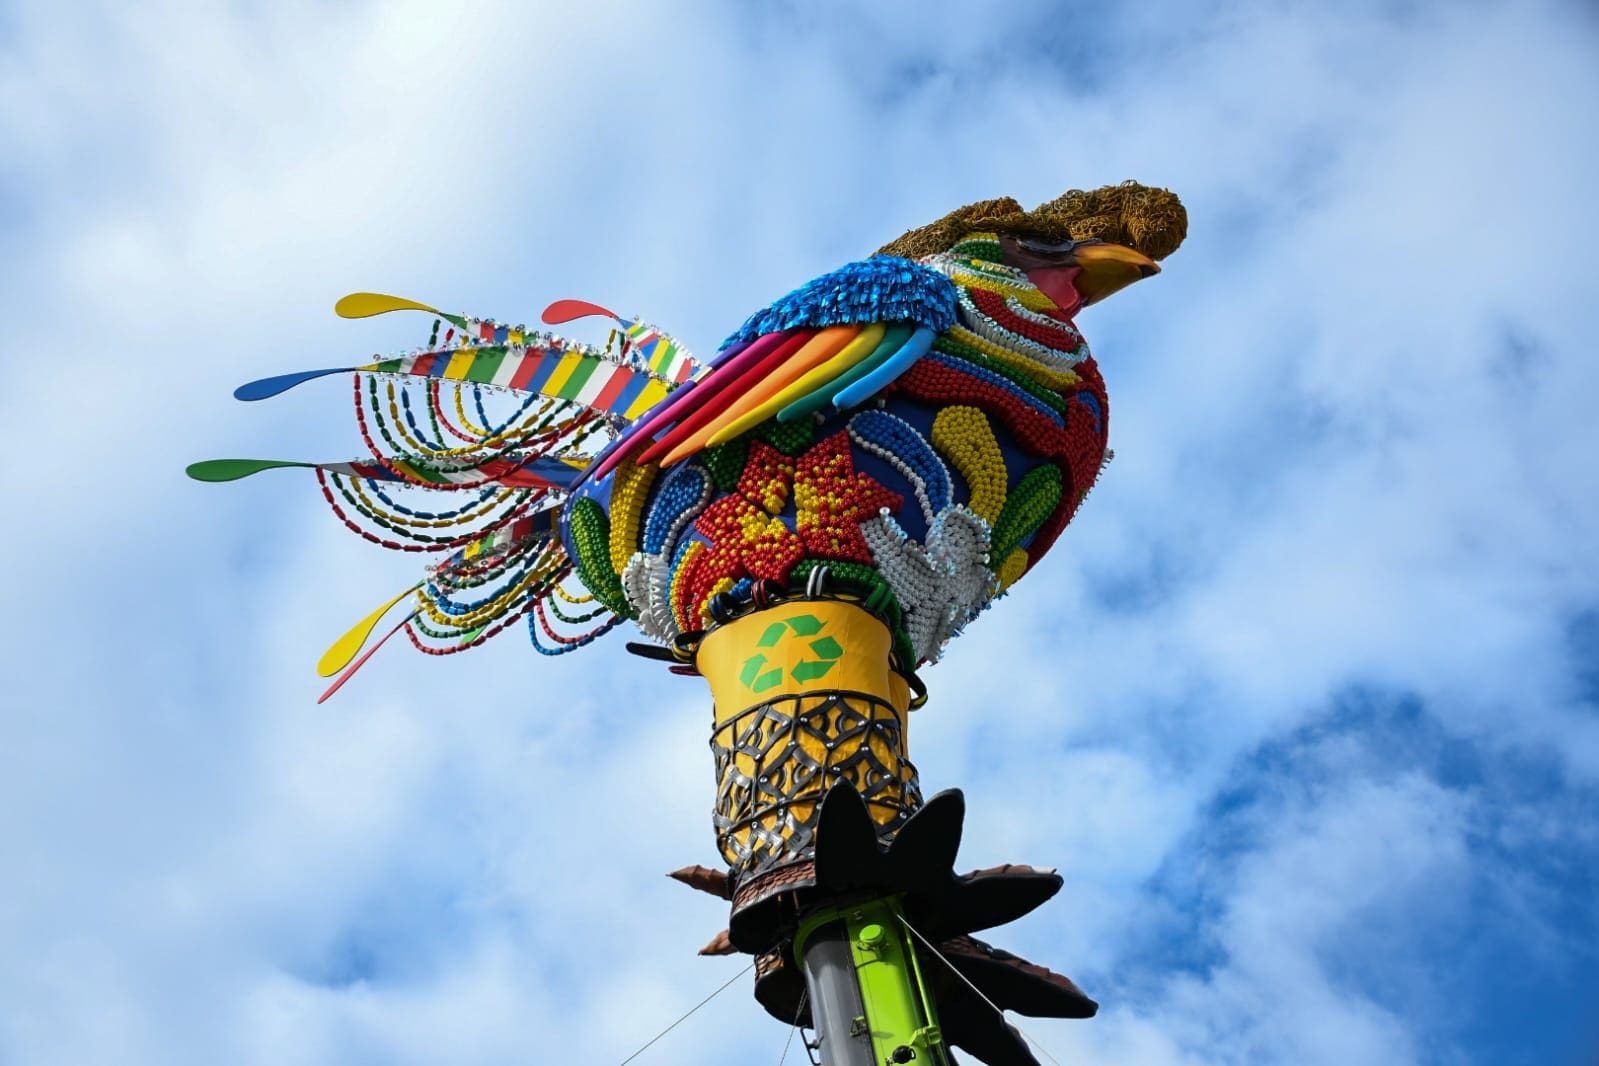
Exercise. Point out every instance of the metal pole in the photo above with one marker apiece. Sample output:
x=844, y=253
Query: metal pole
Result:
x=869, y=1004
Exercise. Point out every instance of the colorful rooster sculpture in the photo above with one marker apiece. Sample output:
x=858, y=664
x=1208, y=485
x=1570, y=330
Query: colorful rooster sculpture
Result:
x=805, y=519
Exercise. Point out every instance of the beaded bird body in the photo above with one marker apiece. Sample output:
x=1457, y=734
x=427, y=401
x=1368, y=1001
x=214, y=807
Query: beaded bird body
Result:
x=931, y=497
x=805, y=519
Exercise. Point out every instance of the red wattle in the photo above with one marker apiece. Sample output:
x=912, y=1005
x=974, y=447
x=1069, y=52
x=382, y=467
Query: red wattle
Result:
x=1059, y=284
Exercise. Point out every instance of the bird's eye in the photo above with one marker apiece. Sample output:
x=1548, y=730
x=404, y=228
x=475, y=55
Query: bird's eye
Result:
x=1040, y=246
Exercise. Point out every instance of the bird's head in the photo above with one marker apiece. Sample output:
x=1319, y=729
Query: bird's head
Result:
x=1074, y=273
x=1077, y=249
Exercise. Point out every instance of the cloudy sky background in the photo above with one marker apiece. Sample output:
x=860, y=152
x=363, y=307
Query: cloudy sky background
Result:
x=1305, y=704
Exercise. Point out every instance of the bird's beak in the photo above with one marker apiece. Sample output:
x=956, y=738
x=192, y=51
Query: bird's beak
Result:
x=1108, y=268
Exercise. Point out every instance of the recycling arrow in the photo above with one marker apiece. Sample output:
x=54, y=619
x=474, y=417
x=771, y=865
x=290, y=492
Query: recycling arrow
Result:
x=755, y=675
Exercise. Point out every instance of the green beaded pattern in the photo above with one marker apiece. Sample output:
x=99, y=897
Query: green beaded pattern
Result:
x=726, y=462
x=981, y=250
x=591, y=534
x=1026, y=508
x=790, y=438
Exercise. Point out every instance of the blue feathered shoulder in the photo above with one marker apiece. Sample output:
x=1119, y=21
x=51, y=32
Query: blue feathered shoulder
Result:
x=884, y=288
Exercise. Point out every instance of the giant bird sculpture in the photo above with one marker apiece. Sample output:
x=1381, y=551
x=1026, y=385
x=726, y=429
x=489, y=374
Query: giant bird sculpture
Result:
x=806, y=519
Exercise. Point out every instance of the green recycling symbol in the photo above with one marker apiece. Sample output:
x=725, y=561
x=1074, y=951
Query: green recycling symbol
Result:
x=754, y=675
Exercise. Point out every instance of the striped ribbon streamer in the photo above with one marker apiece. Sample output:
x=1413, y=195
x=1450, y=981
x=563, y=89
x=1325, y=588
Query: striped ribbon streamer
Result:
x=534, y=472
x=663, y=355
x=580, y=375
x=486, y=329
x=538, y=524
x=539, y=472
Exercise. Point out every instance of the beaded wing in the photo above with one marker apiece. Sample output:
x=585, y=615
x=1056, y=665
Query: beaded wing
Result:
x=911, y=432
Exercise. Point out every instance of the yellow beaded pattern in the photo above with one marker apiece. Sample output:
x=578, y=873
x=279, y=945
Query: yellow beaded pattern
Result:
x=1014, y=566
x=963, y=435
x=1059, y=380
x=551, y=562
x=560, y=590
x=627, y=509
x=461, y=416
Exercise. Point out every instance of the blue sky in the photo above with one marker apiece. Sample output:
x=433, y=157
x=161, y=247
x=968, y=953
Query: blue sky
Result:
x=1304, y=705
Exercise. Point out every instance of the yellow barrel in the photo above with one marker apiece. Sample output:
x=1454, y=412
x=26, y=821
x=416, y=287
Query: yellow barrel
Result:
x=805, y=698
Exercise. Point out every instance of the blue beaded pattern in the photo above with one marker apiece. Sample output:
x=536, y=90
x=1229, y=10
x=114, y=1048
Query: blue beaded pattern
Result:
x=898, y=438
x=686, y=489
x=884, y=288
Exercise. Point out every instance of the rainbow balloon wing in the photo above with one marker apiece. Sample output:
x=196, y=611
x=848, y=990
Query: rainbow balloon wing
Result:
x=833, y=341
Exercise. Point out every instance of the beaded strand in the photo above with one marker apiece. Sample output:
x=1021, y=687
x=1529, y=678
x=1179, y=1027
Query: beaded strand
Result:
x=573, y=645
